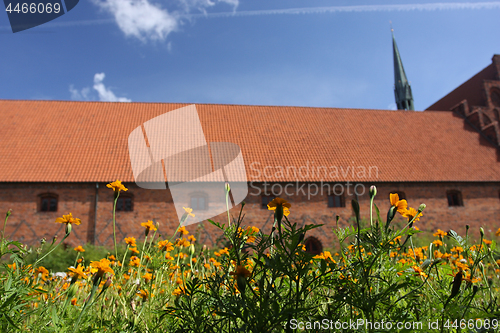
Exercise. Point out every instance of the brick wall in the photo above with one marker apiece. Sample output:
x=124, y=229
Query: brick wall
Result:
x=481, y=207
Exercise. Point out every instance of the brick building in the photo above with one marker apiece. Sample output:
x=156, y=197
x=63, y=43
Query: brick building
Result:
x=57, y=157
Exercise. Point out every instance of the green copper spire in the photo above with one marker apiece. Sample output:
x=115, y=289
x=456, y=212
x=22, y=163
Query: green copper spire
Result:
x=402, y=89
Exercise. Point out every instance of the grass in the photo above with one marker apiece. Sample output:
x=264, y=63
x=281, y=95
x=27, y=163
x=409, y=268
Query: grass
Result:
x=380, y=272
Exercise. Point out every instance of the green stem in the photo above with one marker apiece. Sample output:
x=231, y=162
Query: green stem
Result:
x=94, y=288
x=51, y=250
x=114, y=222
x=5, y=224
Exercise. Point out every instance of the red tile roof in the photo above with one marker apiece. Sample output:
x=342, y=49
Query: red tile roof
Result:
x=55, y=141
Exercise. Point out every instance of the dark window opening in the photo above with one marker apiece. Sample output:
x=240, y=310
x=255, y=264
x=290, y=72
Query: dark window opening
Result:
x=313, y=245
x=454, y=198
x=124, y=204
x=48, y=203
x=199, y=203
x=401, y=194
x=266, y=199
x=336, y=200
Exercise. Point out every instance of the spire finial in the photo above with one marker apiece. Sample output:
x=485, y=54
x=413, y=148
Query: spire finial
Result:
x=390, y=23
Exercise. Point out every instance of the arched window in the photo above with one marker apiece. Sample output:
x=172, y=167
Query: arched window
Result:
x=48, y=202
x=336, y=200
x=313, y=245
x=495, y=96
x=125, y=203
x=199, y=201
x=454, y=198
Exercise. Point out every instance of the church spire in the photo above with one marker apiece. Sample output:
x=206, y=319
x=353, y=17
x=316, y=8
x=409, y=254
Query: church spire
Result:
x=402, y=89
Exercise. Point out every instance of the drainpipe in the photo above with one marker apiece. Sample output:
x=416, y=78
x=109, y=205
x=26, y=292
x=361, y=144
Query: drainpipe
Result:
x=95, y=212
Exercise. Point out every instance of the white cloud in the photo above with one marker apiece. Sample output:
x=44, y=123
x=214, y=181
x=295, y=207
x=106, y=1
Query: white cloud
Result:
x=105, y=94
x=140, y=18
x=144, y=19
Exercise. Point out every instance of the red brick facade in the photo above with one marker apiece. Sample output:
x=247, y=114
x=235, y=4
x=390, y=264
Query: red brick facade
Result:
x=481, y=207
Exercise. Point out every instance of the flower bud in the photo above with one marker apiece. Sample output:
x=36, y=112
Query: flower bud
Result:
x=191, y=249
x=481, y=231
x=421, y=208
x=227, y=187
x=373, y=191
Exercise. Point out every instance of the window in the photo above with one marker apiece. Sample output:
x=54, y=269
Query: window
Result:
x=199, y=202
x=265, y=200
x=401, y=194
x=48, y=203
x=336, y=200
x=454, y=198
x=124, y=204
x=313, y=245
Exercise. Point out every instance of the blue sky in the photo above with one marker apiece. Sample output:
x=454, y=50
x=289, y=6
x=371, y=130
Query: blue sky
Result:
x=321, y=53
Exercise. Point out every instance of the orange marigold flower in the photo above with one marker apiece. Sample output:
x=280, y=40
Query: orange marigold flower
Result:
x=498, y=232
x=78, y=272
x=73, y=301
x=419, y=271
x=117, y=186
x=487, y=242
x=102, y=267
x=457, y=249
x=178, y=291
x=68, y=219
x=192, y=238
x=400, y=205
x=183, y=230
x=411, y=213
x=134, y=250
x=43, y=271
x=130, y=241
x=143, y=294
x=437, y=242
x=439, y=233
x=165, y=245
x=149, y=225
x=279, y=202
x=241, y=271
x=79, y=248
x=148, y=277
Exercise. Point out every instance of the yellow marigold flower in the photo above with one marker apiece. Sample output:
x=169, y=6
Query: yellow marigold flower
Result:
x=462, y=266
x=277, y=202
x=224, y=251
x=168, y=256
x=134, y=250
x=112, y=258
x=437, y=242
x=149, y=225
x=182, y=242
x=78, y=272
x=439, y=233
x=178, y=291
x=207, y=266
x=135, y=261
x=43, y=271
x=117, y=186
x=165, y=245
x=400, y=205
x=192, y=238
x=73, y=301
x=130, y=241
x=188, y=211
x=183, y=230
x=68, y=219
x=457, y=249
x=241, y=271
x=102, y=267
x=411, y=213
x=79, y=248
x=143, y=294
x=419, y=271
x=148, y=277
